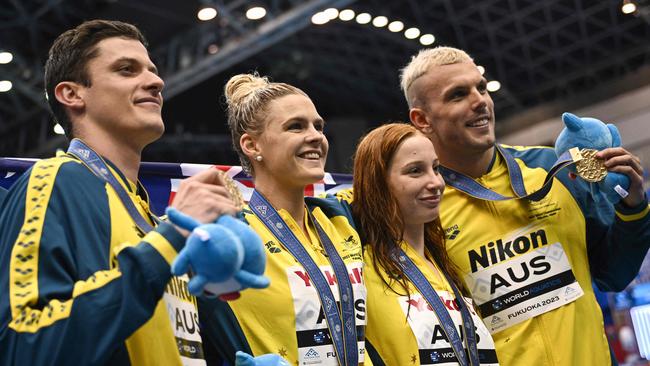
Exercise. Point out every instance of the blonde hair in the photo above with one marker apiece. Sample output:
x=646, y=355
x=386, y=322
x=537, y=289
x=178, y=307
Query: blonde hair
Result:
x=247, y=98
x=424, y=60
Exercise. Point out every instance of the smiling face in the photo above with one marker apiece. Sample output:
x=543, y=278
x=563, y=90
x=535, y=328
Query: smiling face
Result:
x=457, y=111
x=414, y=180
x=124, y=96
x=292, y=144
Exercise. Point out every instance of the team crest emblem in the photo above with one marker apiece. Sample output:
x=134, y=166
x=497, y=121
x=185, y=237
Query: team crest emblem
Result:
x=270, y=245
x=350, y=242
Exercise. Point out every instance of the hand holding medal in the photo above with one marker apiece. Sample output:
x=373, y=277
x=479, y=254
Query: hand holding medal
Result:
x=233, y=191
x=589, y=167
x=587, y=139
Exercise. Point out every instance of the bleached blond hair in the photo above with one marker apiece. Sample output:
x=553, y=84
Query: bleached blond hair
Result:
x=424, y=60
x=247, y=98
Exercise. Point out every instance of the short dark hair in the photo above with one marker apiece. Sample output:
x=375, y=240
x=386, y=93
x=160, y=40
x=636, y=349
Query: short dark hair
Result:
x=70, y=53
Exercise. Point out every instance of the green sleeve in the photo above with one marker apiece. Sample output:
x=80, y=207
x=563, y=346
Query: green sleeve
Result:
x=61, y=301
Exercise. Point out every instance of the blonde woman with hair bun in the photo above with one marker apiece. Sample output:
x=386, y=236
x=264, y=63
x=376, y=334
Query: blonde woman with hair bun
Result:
x=313, y=250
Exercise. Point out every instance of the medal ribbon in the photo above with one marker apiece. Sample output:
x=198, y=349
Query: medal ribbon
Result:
x=341, y=324
x=99, y=167
x=422, y=284
x=472, y=188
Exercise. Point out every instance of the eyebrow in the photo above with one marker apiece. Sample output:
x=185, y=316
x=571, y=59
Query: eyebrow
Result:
x=463, y=86
x=418, y=161
x=150, y=67
x=414, y=161
x=454, y=88
x=302, y=119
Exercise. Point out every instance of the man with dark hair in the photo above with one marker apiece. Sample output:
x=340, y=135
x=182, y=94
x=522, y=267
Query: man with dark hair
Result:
x=69, y=56
x=529, y=264
x=84, y=264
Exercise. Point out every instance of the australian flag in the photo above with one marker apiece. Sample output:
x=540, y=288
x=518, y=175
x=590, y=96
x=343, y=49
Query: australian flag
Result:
x=162, y=179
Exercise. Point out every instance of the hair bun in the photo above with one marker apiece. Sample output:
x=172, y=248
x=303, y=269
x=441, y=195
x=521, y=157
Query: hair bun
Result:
x=239, y=87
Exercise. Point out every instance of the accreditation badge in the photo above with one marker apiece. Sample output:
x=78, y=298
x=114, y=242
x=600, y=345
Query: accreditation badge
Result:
x=184, y=317
x=315, y=346
x=523, y=287
x=433, y=345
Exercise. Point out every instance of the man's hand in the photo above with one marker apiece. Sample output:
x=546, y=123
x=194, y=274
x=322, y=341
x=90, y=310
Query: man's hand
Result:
x=619, y=160
x=203, y=197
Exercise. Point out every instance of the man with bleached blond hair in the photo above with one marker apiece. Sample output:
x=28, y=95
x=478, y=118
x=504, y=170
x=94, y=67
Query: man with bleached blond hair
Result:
x=529, y=265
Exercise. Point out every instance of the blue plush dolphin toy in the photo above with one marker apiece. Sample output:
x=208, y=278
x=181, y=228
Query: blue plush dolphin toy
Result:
x=225, y=257
x=244, y=359
x=590, y=133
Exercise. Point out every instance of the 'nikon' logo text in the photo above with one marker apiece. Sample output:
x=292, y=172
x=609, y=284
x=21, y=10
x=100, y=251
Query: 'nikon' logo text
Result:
x=497, y=251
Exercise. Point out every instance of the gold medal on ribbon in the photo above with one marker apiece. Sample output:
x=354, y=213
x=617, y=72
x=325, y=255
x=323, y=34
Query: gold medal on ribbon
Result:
x=233, y=191
x=589, y=167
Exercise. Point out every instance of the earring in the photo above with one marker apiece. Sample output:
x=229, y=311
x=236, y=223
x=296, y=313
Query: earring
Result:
x=258, y=158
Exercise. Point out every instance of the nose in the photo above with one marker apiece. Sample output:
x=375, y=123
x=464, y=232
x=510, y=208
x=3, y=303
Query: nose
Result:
x=436, y=183
x=314, y=134
x=479, y=99
x=154, y=83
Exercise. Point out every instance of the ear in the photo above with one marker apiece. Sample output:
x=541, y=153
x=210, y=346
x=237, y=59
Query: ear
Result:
x=70, y=94
x=419, y=120
x=572, y=122
x=249, y=146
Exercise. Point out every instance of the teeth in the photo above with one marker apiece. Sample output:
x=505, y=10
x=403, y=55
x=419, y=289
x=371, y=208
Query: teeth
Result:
x=311, y=156
x=480, y=122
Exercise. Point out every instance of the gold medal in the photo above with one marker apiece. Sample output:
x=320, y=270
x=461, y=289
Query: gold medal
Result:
x=589, y=167
x=233, y=191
